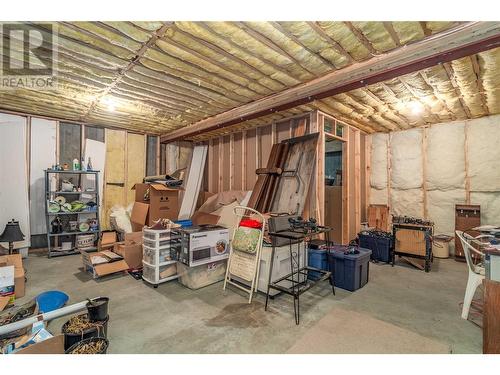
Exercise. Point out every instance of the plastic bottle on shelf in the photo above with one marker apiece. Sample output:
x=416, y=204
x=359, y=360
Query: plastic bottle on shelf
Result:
x=82, y=165
x=89, y=165
x=76, y=164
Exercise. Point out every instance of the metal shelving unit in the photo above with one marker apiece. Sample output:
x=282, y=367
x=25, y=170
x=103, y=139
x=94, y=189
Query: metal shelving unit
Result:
x=51, y=194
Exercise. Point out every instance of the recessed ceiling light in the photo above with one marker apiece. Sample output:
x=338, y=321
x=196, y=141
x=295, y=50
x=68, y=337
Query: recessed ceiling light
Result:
x=416, y=107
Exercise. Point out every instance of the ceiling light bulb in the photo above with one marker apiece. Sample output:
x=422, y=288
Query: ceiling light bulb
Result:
x=416, y=108
x=110, y=103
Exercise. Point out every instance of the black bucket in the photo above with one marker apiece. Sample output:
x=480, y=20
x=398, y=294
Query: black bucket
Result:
x=98, y=309
x=88, y=341
x=100, y=329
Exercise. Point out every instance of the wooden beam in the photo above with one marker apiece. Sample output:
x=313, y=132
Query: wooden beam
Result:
x=463, y=40
x=292, y=37
x=477, y=72
x=451, y=76
x=361, y=37
x=425, y=29
x=337, y=47
x=394, y=35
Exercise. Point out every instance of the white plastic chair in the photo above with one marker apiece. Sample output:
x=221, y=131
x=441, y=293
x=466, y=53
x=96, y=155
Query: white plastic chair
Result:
x=476, y=272
x=242, y=212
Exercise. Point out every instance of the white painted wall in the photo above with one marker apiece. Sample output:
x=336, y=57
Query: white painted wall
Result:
x=14, y=202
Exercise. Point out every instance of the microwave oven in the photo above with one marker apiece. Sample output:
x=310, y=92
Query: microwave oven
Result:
x=203, y=244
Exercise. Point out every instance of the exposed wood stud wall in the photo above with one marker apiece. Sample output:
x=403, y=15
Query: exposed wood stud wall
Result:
x=248, y=150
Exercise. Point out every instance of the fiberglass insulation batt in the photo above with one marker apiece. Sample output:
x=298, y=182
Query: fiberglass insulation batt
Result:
x=378, y=175
x=406, y=173
x=445, y=161
x=445, y=174
x=483, y=139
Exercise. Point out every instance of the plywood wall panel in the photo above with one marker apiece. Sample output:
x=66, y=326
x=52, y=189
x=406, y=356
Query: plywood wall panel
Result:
x=136, y=163
x=283, y=130
x=115, y=173
x=226, y=163
x=214, y=165
x=251, y=159
x=237, y=162
x=266, y=143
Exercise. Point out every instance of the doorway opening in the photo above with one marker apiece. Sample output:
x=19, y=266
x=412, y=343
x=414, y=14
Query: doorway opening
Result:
x=333, y=187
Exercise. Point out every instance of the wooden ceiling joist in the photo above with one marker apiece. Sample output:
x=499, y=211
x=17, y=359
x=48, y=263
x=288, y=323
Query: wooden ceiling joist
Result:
x=463, y=40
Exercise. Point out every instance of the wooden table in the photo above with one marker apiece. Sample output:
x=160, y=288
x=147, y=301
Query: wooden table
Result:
x=491, y=317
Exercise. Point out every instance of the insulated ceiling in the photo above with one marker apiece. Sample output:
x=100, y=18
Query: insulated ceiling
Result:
x=161, y=76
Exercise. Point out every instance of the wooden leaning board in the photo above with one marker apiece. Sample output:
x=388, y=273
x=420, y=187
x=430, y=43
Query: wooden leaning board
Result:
x=284, y=184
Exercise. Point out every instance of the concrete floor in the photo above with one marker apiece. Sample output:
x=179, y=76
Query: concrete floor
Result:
x=175, y=319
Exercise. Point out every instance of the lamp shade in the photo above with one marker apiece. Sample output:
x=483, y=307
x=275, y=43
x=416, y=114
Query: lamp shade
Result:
x=12, y=232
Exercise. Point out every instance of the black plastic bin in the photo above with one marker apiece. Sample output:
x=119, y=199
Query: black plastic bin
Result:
x=349, y=271
x=100, y=329
x=381, y=246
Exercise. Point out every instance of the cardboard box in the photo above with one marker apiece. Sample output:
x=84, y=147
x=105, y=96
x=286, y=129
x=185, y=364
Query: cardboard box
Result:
x=107, y=240
x=16, y=260
x=163, y=201
x=131, y=249
x=7, y=284
x=139, y=216
x=53, y=345
x=103, y=263
x=200, y=218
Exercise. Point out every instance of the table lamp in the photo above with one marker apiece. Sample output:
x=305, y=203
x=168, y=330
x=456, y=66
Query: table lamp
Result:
x=12, y=233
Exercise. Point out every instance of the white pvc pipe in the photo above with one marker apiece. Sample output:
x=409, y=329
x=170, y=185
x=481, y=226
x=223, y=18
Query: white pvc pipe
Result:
x=66, y=310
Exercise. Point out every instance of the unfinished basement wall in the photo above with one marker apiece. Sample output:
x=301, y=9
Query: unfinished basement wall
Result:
x=424, y=172
x=233, y=158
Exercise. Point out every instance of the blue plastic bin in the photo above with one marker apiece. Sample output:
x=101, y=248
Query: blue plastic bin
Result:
x=184, y=223
x=381, y=247
x=349, y=271
x=317, y=258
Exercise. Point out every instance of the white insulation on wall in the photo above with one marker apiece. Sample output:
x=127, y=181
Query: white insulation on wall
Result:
x=449, y=150
x=378, y=175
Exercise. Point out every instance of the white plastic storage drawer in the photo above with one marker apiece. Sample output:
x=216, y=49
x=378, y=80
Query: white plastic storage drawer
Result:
x=149, y=255
x=156, y=235
x=156, y=244
x=149, y=273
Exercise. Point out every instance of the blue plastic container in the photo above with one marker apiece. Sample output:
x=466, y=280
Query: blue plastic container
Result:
x=317, y=258
x=349, y=271
x=184, y=223
x=381, y=247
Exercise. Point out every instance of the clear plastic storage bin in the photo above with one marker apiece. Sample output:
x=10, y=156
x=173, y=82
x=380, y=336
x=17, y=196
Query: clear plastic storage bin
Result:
x=149, y=255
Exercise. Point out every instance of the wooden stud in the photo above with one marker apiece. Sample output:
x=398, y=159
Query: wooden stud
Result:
x=158, y=156
x=220, y=186
x=394, y=35
x=210, y=163
x=258, y=147
x=389, y=171
x=317, y=28
x=273, y=133
x=244, y=160
x=424, y=171
x=368, y=171
x=361, y=37
x=231, y=161
x=357, y=179
x=345, y=188
x=466, y=158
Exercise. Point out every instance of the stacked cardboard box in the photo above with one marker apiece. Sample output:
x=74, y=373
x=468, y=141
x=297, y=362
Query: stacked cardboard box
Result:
x=162, y=201
x=16, y=261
